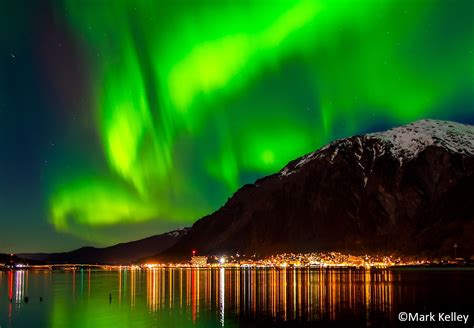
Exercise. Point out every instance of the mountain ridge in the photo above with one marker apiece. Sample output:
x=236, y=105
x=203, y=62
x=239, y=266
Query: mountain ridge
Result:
x=390, y=191
x=121, y=253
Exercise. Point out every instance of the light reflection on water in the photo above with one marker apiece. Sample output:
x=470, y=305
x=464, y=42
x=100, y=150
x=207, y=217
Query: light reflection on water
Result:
x=225, y=297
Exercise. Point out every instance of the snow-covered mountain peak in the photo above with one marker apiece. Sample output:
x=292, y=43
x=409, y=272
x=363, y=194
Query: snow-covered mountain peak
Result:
x=404, y=143
x=408, y=140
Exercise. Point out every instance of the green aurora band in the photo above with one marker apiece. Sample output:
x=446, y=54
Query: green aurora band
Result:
x=191, y=100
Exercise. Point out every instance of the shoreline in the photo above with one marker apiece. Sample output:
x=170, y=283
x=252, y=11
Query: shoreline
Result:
x=76, y=267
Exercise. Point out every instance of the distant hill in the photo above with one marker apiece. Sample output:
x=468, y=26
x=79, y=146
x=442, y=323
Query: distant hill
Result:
x=8, y=259
x=123, y=253
x=407, y=190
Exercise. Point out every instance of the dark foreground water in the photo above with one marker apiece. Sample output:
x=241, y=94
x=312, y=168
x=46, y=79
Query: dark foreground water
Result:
x=232, y=297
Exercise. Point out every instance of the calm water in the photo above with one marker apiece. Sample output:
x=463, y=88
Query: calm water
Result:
x=230, y=297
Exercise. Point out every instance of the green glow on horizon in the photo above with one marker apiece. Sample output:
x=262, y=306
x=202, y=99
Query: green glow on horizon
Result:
x=192, y=99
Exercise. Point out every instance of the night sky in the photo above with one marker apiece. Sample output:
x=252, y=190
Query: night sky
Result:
x=123, y=119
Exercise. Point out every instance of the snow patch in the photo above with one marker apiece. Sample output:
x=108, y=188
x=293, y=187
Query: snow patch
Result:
x=177, y=233
x=306, y=159
x=286, y=172
x=408, y=140
x=334, y=154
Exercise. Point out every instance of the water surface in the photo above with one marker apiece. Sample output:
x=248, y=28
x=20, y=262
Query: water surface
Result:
x=229, y=297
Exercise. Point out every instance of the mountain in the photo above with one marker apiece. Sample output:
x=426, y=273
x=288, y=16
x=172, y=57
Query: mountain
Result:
x=123, y=253
x=11, y=259
x=404, y=191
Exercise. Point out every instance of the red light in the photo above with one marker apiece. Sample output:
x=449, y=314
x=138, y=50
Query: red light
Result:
x=194, y=252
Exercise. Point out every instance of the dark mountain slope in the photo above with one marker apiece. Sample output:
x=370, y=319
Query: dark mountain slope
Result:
x=408, y=190
x=124, y=253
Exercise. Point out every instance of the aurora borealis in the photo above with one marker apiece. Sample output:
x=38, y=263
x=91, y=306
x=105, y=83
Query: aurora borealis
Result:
x=137, y=114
